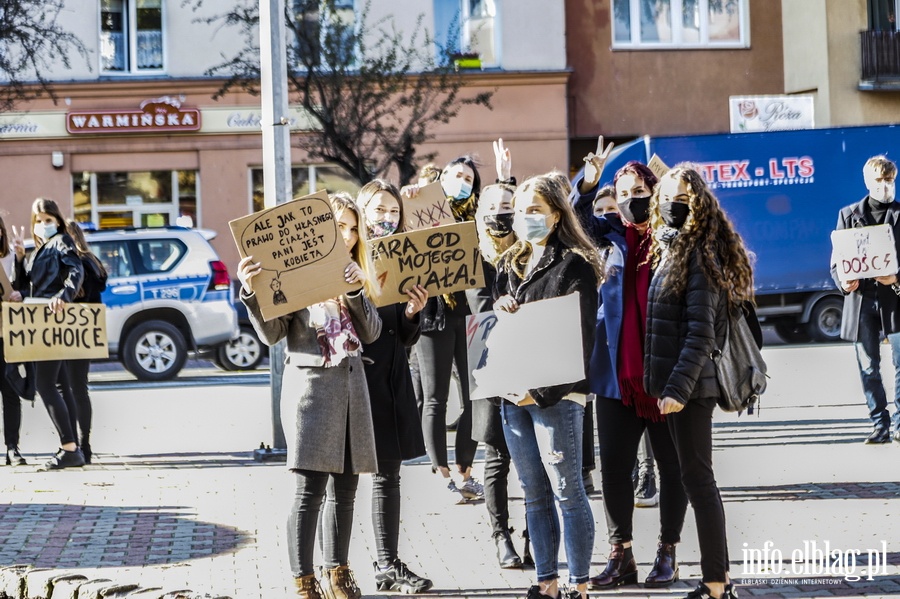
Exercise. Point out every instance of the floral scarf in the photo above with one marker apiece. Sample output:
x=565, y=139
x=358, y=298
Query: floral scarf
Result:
x=334, y=331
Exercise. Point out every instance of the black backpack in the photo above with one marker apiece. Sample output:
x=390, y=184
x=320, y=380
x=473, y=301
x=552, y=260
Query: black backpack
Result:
x=740, y=368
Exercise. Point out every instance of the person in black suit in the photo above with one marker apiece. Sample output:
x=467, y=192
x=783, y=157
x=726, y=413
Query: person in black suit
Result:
x=872, y=306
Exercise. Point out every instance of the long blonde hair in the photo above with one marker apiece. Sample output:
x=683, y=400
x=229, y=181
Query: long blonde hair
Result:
x=568, y=230
x=81, y=246
x=360, y=252
x=723, y=258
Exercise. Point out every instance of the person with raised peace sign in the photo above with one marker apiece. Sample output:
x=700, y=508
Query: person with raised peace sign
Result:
x=12, y=406
x=624, y=408
x=53, y=271
x=325, y=409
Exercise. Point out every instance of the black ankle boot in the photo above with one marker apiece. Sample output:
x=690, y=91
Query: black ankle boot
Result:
x=620, y=569
x=527, y=560
x=506, y=551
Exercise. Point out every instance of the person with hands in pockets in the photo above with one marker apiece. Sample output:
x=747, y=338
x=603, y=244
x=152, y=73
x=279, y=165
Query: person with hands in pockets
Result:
x=325, y=410
x=551, y=257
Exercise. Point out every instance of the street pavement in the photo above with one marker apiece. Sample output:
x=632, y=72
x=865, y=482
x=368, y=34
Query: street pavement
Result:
x=174, y=500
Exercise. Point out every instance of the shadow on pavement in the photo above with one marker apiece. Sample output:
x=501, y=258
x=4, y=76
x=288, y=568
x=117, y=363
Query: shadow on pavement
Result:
x=179, y=460
x=76, y=536
x=805, y=491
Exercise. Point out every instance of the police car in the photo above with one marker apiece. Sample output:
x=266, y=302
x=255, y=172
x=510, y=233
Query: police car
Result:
x=167, y=294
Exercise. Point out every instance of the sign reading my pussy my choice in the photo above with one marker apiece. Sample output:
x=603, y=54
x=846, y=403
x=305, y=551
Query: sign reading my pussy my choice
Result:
x=441, y=259
x=301, y=252
x=32, y=332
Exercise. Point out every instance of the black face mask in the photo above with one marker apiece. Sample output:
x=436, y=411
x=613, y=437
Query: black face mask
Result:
x=635, y=210
x=674, y=214
x=499, y=225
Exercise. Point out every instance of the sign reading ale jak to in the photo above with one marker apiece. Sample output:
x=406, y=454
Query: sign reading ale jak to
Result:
x=158, y=115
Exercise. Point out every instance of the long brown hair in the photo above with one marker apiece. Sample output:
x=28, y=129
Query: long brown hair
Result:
x=47, y=207
x=360, y=252
x=568, y=230
x=369, y=190
x=81, y=246
x=723, y=258
x=4, y=240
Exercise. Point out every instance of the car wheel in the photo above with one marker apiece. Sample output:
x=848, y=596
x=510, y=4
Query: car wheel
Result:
x=242, y=353
x=155, y=351
x=825, y=320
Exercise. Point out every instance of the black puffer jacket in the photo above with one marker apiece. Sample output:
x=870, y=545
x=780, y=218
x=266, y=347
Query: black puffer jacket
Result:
x=682, y=331
x=559, y=272
x=52, y=270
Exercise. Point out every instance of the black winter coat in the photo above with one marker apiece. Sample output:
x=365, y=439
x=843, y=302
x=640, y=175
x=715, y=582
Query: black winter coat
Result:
x=94, y=283
x=559, y=272
x=398, y=429
x=682, y=332
x=52, y=270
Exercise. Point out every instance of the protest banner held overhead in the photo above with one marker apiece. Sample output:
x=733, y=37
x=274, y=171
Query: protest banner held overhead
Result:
x=301, y=252
x=503, y=357
x=441, y=259
x=32, y=332
x=864, y=252
x=428, y=209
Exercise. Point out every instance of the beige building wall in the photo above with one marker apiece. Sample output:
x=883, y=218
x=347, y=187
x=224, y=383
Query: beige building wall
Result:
x=822, y=56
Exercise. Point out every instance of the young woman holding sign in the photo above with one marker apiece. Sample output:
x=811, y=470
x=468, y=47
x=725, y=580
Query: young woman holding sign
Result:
x=12, y=406
x=53, y=271
x=93, y=285
x=325, y=410
x=552, y=257
x=398, y=429
x=443, y=342
x=702, y=271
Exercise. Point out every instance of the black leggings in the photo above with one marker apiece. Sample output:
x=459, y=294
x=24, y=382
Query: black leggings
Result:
x=12, y=407
x=52, y=383
x=437, y=351
x=78, y=380
x=337, y=519
x=496, y=494
x=386, y=510
x=619, y=431
x=692, y=432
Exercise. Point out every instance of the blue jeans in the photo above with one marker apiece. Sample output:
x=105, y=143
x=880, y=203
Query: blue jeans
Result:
x=545, y=446
x=868, y=355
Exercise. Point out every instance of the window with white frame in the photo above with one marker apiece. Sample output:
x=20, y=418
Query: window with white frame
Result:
x=131, y=36
x=312, y=38
x=651, y=24
x=304, y=181
x=478, y=29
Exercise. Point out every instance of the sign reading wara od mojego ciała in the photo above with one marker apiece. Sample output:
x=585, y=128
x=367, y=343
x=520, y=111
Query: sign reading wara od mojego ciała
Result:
x=157, y=115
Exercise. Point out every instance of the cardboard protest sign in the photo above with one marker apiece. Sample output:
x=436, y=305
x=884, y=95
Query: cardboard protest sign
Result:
x=658, y=167
x=302, y=254
x=538, y=346
x=428, y=209
x=443, y=260
x=5, y=285
x=864, y=252
x=33, y=333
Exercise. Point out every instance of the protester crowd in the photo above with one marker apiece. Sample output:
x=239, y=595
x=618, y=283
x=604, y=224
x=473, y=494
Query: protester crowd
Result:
x=658, y=269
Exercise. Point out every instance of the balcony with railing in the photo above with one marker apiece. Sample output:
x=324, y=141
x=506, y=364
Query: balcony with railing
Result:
x=880, y=60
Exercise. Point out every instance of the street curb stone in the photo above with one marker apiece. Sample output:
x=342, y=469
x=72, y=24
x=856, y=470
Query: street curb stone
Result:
x=25, y=582
x=66, y=586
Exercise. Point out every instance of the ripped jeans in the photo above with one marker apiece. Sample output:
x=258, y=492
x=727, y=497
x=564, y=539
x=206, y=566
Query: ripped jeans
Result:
x=545, y=446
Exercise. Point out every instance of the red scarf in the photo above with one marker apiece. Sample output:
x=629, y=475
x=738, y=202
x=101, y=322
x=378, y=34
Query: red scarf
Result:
x=634, y=324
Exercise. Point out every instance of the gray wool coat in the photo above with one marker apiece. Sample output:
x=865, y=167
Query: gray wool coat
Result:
x=324, y=411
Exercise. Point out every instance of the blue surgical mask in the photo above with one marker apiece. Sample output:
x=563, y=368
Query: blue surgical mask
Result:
x=45, y=232
x=536, y=228
x=457, y=189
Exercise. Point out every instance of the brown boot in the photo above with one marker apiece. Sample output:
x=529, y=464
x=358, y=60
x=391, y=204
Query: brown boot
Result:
x=665, y=567
x=620, y=569
x=339, y=583
x=308, y=587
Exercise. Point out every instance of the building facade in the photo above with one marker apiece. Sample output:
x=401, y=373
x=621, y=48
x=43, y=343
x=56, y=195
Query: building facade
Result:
x=136, y=138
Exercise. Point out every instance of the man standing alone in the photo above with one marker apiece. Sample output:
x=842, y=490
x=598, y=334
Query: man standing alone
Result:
x=872, y=306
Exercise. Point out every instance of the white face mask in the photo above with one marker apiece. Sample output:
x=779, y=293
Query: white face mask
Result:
x=456, y=188
x=45, y=232
x=883, y=193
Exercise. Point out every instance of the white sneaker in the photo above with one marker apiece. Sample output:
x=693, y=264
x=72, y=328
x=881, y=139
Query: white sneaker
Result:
x=472, y=489
x=457, y=497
